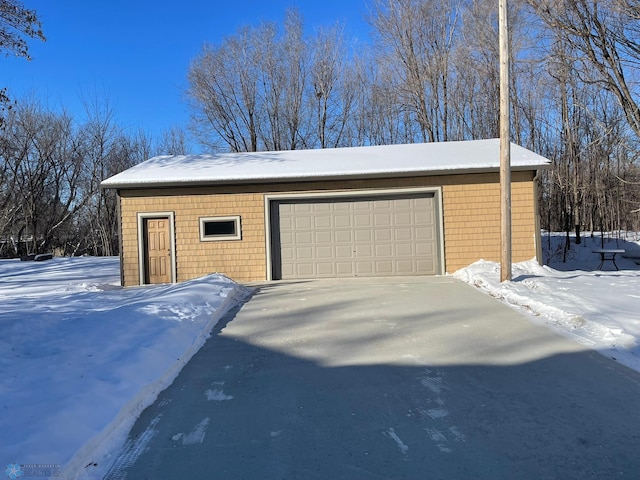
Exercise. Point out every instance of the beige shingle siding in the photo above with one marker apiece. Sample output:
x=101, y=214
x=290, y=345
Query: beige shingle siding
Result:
x=472, y=219
x=239, y=259
x=471, y=213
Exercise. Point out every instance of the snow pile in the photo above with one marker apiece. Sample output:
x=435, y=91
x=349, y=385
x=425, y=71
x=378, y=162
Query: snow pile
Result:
x=81, y=357
x=598, y=308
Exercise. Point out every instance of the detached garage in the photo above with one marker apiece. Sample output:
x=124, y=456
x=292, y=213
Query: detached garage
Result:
x=418, y=209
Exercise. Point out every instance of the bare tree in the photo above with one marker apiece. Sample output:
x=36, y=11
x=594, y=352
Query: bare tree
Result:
x=604, y=34
x=332, y=92
x=223, y=92
x=295, y=57
x=417, y=37
x=173, y=142
x=272, y=88
x=16, y=23
x=283, y=73
x=381, y=118
x=45, y=166
x=51, y=168
x=587, y=114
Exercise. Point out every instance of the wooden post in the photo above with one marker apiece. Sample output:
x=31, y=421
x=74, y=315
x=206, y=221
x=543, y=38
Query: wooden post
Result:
x=505, y=146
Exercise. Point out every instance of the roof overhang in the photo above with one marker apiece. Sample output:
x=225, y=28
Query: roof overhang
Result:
x=324, y=165
x=180, y=183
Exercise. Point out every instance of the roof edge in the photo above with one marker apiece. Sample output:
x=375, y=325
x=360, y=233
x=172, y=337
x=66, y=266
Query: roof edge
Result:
x=106, y=185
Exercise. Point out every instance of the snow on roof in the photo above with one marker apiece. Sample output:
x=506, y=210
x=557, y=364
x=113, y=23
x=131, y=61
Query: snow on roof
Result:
x=325, y=164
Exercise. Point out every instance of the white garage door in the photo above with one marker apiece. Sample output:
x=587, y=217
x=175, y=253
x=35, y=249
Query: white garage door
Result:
x=375, y=236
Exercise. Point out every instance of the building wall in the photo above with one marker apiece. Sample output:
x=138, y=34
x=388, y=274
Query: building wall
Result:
x=471, y=212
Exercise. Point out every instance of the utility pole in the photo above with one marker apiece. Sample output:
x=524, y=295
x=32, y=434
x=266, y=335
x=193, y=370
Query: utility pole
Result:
x=505, y=146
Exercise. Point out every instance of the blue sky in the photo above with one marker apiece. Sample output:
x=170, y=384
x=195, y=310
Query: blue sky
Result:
x=136, y=53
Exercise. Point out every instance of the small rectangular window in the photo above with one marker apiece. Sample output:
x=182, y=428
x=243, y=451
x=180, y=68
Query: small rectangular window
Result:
x=220, y=228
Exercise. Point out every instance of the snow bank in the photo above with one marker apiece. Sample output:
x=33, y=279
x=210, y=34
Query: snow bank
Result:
x=600, y=309
x=83, y=357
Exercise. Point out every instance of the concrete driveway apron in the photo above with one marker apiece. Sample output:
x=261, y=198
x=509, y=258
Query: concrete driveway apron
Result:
x=416, y=378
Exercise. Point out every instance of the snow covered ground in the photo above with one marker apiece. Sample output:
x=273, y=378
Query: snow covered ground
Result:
x=600, y=309
x=81, y=357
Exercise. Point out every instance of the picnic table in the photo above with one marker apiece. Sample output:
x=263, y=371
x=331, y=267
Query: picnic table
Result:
x=608, y=255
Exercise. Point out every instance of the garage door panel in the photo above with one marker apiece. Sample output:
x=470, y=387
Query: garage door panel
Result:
x=304, y=238
x=324, y=253
x=425, y=249
x=304, y=270
x=303, y=253
x=288, y=272
x=383, y=251
x=287, y=254
x=342, y=221
x=345, y=251
x=405, y=267
x=423, y=218
x=344, y=269
x=384, y=267
x=303, y=223
x=362, y=235
x=323, y=221
x=364, y=251
x=404, y=250
x=322, y=208
x=301, y=208
x=323, y=237
x=325, y=269
x=425, y=233
x=343, y=236
x=403, y=203
x=383, y=204
x=286, y=208
x=383, y=235
x=364, y=268
x=361, y=206
x=357, y=237
x=403, y=234
x=403, y=219
x=362, y=220
x=426, y=265
x=382, y=219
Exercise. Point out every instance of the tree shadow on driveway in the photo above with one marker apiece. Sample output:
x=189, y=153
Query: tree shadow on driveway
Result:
x=268, y=399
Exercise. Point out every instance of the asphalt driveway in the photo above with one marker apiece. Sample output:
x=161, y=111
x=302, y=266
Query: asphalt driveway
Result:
x=416, y=378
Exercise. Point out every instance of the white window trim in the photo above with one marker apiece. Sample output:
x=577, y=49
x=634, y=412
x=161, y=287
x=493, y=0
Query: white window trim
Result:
x=217, y=238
